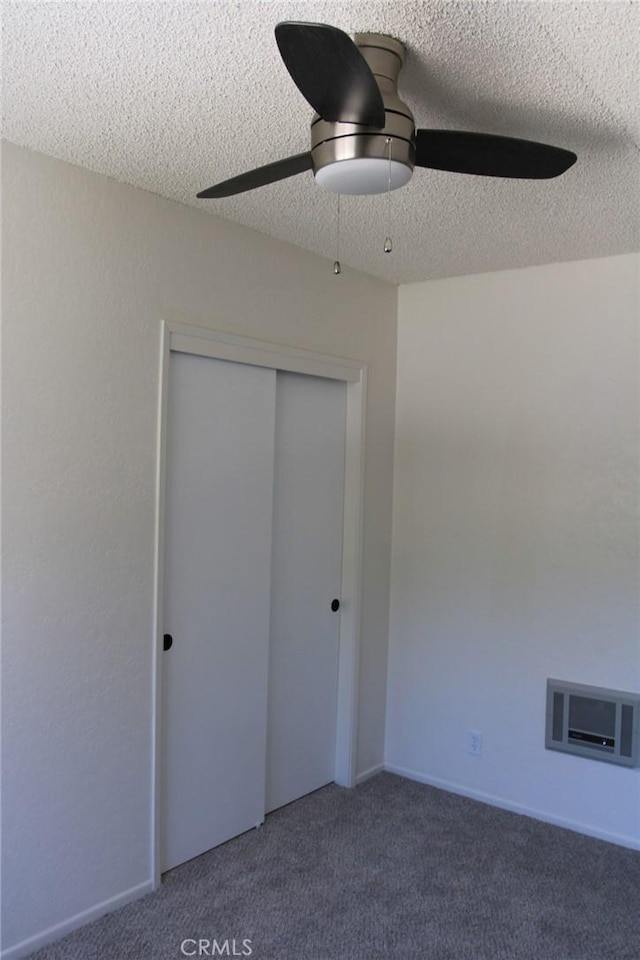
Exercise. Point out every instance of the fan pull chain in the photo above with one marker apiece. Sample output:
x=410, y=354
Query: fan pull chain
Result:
x=388, y=242
x=337, y=268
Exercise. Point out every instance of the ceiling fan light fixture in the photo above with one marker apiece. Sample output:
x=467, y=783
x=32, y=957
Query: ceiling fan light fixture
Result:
x=363, y=175
x=363, y=137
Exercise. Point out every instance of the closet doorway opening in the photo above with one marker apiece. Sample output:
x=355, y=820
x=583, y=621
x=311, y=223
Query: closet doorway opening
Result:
x=248, y=424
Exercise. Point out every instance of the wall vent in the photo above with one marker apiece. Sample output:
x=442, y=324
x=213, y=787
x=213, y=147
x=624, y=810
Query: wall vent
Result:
x=593, y=722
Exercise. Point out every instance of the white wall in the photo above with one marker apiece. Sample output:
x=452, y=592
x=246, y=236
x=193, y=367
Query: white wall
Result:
x=515, y=544
x=90, y=268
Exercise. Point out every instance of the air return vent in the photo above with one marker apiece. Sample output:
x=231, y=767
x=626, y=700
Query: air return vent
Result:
x=593, y=722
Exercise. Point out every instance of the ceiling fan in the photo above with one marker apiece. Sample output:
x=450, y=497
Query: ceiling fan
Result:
x=363, y=137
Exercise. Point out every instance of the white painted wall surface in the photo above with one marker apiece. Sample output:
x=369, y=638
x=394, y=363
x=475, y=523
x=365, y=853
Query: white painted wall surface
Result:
x=90, y=267
x=515, y=545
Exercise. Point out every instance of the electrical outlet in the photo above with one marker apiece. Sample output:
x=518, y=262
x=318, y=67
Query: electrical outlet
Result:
x=474, y=743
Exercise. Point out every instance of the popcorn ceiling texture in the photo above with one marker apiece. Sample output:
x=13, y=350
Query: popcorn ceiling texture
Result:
x=173, y=97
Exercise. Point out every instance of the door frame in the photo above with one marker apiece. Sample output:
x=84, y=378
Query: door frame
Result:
x=206, y=342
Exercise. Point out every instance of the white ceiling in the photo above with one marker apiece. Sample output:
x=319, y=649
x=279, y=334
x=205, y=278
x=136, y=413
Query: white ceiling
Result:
x=173, y=97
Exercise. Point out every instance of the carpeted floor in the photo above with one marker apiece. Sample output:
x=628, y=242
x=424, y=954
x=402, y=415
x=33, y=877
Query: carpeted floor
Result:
x=390, y=870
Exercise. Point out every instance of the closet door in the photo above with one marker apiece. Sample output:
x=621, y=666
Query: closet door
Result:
x=219, y=495
x=306, y=576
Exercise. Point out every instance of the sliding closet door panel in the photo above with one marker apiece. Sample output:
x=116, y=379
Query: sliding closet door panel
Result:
x=219, y=495
x=305, y=579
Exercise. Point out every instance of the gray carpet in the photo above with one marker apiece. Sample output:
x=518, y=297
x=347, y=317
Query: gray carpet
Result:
x=392, y=869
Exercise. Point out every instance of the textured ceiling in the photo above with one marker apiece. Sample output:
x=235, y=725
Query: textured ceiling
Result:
x=172, y=97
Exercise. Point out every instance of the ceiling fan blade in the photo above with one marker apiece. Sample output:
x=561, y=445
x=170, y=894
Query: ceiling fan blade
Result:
x=259, y=177
x=331, y=73
x=489, y=155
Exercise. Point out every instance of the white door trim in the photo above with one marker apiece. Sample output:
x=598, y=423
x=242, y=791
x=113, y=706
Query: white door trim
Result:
x=183, y=338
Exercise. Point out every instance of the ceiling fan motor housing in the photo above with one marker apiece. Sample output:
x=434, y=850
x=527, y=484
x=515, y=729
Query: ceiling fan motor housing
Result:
x=353, y=158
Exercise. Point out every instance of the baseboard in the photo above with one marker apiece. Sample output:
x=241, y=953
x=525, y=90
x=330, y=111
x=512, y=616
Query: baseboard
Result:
x=371, y=772
x=619, y=839
x=25, y=947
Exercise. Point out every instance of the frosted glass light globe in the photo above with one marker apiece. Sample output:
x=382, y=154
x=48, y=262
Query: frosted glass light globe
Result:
x=363, y=175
